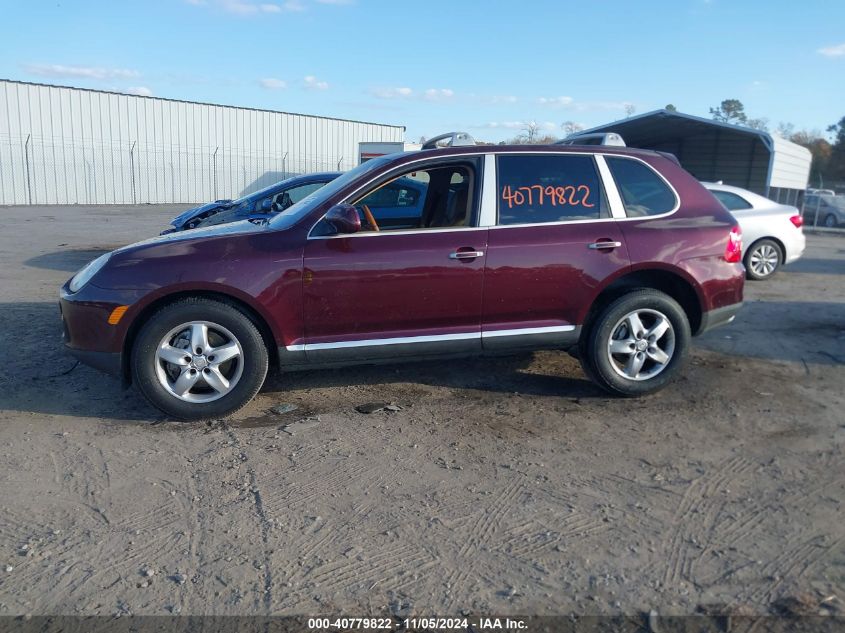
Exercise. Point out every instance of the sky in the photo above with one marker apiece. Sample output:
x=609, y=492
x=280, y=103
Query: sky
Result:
x=481, y=66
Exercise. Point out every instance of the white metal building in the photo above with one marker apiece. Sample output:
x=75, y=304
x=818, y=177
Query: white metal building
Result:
x=61, y=145
x=713, y=151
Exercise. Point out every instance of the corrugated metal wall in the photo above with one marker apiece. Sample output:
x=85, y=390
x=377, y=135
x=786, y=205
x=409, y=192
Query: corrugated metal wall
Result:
x=70, y=146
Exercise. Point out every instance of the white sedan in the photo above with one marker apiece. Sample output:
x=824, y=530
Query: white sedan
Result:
x=771, y=232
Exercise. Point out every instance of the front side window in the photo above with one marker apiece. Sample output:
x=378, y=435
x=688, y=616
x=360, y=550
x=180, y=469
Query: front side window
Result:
x=538, y=189
x=427, y=198
x=643, y=192
x=731, y=201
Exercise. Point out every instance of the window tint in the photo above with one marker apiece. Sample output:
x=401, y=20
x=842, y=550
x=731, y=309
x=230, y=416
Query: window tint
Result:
x=731, y=201
x=548, y=188
x=643, y=191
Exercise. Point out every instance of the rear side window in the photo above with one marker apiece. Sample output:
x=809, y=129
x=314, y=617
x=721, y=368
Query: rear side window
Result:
x=731, y=201
x=643, y=191
x=534, y=189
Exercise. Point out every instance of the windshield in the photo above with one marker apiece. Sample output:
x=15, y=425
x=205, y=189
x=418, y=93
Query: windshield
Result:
x=292, y=215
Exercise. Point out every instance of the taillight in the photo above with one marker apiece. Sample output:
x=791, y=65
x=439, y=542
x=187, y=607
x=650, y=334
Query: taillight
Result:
x=797, y=220
x=733, y=251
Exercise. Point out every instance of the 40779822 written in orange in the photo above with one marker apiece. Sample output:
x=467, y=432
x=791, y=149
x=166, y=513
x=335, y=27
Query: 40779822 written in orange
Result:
x=573, y=195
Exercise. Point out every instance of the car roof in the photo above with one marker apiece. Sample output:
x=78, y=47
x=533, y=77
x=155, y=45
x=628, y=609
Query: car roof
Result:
x=754, y=198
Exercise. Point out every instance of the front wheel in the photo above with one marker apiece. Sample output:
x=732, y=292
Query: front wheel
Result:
x=199, y=359
x=637, y=344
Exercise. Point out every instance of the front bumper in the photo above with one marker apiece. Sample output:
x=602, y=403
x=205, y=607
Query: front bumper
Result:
x=86, y=332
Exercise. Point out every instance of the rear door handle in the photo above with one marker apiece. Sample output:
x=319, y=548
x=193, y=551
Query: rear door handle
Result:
x=466, y=254
x=597, y=246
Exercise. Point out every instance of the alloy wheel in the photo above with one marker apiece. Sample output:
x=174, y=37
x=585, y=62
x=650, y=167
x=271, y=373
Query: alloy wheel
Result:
x=641, y=345
x=764, y=260
x=199, y=361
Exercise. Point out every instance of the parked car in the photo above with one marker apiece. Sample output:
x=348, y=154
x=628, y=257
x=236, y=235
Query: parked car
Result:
x=617, y=255
x=771, y=232
x=829, y=209
x=259, y=205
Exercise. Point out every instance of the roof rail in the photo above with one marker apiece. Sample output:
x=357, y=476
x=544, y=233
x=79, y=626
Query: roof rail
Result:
x=455, y=139
x=594, y=138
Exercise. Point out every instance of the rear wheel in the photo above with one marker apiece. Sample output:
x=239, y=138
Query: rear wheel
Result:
x=830, y=221
x=763, y=259
x=199, y=359
x=637, y=344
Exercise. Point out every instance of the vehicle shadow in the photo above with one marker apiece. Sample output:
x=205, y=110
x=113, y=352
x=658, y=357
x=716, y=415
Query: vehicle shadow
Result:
x=46, y=380
x=69, y=260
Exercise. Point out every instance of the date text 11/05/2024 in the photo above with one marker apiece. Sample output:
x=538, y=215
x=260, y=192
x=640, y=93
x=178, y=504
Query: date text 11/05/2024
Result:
x=413, y=624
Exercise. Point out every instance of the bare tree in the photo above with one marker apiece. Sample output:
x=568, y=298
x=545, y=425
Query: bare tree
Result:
x=630, y=109
x=571, y=127
x=530, y=132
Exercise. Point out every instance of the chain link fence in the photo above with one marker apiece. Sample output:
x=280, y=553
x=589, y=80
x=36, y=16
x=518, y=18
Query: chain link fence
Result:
x=37, y=170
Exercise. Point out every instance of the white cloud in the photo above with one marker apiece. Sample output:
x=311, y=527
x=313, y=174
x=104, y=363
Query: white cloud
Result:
x=249, y=7
x=438, y=94
x=83, y=72
x=504, y=99
x=141, y=91
x=555, y=101
x=272, y=84
x=833, y=51
x=403, y=92
x=392, y=93
x=312, y=83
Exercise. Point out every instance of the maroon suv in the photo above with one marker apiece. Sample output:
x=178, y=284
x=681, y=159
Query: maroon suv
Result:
x=617, y=255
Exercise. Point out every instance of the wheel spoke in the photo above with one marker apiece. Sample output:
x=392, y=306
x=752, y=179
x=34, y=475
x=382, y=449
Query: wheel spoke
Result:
x=215, y=379
x=635, y=325
x=623, y=346
x=186, y=380
x=658, y=329
x=634, y=364
x=223, y=353
x=657, y=355
x=174, y=355
x=199, y=338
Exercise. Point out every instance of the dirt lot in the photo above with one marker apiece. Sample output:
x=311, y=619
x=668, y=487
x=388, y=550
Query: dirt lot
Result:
x=509, y=486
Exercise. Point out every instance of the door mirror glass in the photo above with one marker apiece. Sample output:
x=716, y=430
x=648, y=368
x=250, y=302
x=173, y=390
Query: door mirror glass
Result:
x=344, y=218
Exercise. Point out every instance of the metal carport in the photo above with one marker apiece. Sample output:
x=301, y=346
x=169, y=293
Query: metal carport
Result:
x=713, y=151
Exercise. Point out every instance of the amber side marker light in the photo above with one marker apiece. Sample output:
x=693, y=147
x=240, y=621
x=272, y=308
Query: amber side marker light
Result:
x=117, y=314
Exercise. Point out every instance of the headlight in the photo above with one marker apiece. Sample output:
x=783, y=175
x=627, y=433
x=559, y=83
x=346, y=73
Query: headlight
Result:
x=89, y=270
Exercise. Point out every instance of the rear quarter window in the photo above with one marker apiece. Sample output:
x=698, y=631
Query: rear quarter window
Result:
x=537, y=189
x=643, y=192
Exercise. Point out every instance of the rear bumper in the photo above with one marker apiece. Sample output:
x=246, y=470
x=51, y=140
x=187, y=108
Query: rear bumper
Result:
x=795, y=249
x=719, y=316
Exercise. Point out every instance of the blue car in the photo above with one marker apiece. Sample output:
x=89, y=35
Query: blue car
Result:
x=259, y=205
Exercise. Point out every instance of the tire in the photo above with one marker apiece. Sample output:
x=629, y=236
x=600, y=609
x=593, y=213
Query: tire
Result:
x=217, y=384
x=830, y=221
x=658, y=361
x=763, y=259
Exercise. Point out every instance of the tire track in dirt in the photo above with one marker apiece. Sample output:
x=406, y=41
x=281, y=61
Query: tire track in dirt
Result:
x=479, y=537
x=701, y=500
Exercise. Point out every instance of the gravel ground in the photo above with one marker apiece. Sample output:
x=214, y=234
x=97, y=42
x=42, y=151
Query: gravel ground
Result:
x=507, y=486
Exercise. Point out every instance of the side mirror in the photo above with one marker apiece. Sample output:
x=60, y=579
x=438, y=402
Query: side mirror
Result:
x=266, y=205
x=344, y=218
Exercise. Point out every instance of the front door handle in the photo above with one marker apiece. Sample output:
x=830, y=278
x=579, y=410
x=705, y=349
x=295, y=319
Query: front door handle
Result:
x=466, y=254
x=598, y=246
